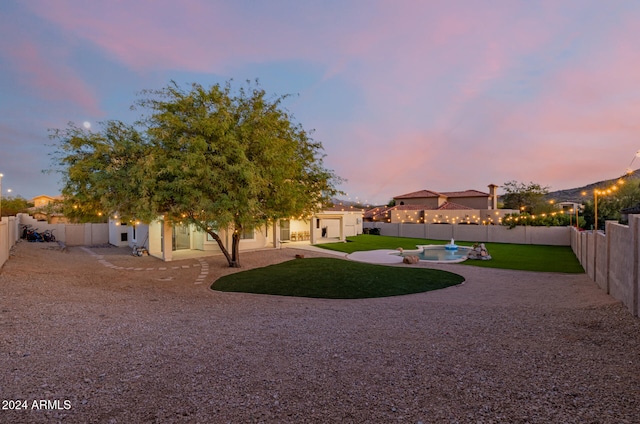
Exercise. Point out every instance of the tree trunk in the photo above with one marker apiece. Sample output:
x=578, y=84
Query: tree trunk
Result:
x=235, y=250
x=233, y=258
x=224, y=250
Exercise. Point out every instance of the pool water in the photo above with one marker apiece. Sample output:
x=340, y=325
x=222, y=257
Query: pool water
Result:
x=435, y=253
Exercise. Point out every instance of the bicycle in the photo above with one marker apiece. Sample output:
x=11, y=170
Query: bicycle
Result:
x=48, y=236
x=25, y=231
x=34, y=236
x=139, y=250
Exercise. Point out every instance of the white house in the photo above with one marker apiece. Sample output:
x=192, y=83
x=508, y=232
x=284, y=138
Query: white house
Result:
x=163, y=239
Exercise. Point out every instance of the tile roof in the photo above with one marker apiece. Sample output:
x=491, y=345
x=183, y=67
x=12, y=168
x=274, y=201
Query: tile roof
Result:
x=466, y=193
x=342, y=208
x=410, y=208
x=450, y=206
x=384, y=211
x=421, y=193
x=431, y=193
x=444, y=206
x=631, y=210
x=378, y=212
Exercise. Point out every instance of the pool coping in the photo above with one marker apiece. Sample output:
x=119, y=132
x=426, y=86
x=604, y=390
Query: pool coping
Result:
x=392, y=256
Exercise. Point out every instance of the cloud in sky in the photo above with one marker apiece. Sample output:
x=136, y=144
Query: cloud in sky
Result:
x=407, y=95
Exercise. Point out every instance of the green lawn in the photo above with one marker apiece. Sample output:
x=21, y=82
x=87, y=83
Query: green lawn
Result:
x=331, y=278
x=525, y=257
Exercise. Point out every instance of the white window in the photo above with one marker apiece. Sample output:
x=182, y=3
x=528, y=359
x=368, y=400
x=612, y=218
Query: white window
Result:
x=247, y=235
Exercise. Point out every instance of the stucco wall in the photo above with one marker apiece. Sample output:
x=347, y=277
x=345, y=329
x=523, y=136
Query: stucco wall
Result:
x=517, y=235
x=614, y=263
x=584, y=246
x=9, y=235
x=74, y=234
x=332, y=226
x=116, y=229
x=474, y=233
x=472, y=216
x=298, y=226
x=70, y=234
x=57, y=229
x=621, y=263
x=557, y=236
x=438, y=231
x=433, y=216
x=591, y=255
x=260, y=239
x=351, y=230
x=85, y=234
x=408, y=216
x=98, y=234
x=601, y=271
x=431, y=202
x=576, y=245
x=471, y=202
x=413, y=231
x=4, y=241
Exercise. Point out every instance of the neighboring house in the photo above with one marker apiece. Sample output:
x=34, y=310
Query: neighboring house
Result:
x=163, y=240
x=43, y=200
x=569, y=206
x=624, y=213
x=47, y=208
x=471, y=199
x=432, y=207
x=378, y=214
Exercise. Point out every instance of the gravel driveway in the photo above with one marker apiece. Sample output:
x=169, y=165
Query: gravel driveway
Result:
x=98, y=336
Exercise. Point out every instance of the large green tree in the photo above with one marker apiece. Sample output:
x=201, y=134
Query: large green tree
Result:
x=525, y=197
x=103, y=172
x=218, y=158
x=11, y=206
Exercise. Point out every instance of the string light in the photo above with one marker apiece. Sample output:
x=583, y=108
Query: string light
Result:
x=629, y=169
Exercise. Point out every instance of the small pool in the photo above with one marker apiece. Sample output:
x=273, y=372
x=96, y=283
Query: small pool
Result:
x=437, y=253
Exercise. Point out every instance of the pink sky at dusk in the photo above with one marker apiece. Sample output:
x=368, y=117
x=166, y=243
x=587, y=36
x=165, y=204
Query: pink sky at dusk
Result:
x=404, y=95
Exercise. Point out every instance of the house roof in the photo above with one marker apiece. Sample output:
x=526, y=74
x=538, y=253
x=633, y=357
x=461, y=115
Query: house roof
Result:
x=431, y=193
x=48, y=197
x=466, y=193
x=376, y=212
x=421, y=193
x=445, y=206
x=632, y=210
x=342, y=208
x=382, y=211
x=450, y=206
x=409, y=207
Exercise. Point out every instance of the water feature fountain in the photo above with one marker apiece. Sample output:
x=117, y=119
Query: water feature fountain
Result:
x=434, y=253
x=451, y=246
x=439, y=253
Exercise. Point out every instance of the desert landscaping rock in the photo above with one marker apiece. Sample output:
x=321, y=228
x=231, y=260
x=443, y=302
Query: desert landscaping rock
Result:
x=128, y=339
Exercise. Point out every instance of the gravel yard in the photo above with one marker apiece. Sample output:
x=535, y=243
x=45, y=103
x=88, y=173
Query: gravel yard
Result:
x=104, y=337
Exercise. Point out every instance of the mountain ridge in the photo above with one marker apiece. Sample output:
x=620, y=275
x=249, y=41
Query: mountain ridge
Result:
x=567, y=195
x=575, y=194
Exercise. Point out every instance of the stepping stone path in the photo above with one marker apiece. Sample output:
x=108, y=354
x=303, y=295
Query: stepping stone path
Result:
x=204, y=266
